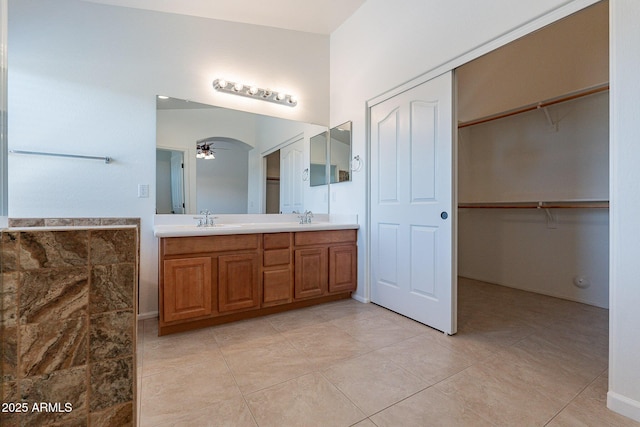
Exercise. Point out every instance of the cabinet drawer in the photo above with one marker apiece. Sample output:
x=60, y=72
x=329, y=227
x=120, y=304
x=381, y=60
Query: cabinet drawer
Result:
x=206, y=244
x=304, y=238
x=276, y=257
x=276, y=240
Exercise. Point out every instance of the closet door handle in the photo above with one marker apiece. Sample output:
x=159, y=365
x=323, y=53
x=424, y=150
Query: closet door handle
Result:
x=444, y=215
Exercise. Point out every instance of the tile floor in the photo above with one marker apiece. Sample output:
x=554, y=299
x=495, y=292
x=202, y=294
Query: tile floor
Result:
x=519, y=359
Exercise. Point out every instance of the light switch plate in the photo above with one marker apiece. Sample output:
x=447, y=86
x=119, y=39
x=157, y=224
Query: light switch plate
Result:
x=143, y=191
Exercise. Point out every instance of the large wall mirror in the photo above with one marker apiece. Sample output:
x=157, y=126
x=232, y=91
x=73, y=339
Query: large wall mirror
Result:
x=340, y=148
x=330, y=156
x=318, y=159
x=234, y=178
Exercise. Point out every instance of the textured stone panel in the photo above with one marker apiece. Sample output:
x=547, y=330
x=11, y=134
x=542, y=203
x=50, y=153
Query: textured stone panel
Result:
x=9, y=353
x=111, y=383
x=9, y=299
x=53, y=249
x=111, y=335
x=51, y=346
x=121, y=416
x=51, y=295
x=112, y=287
x=68, y=386
x=9, y=251
x=113, y=246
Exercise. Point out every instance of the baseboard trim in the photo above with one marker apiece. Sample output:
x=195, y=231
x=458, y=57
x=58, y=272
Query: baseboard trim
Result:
x=150, y=315
x=623, y=405
x=360, y=299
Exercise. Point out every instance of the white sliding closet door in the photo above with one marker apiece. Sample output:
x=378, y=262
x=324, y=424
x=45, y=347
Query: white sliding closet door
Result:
x=412, y=248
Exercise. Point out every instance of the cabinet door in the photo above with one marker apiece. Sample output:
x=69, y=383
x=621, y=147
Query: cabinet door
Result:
x=343, y=268
x=276, y=287
x=186, y=288
x=310, y=272
x=238, y=282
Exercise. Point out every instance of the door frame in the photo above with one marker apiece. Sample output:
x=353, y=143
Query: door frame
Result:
x=188, y=159
x=263, y=165
x=450, y=65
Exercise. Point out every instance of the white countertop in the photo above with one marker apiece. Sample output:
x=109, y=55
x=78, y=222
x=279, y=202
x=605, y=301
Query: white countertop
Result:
x=185, y=225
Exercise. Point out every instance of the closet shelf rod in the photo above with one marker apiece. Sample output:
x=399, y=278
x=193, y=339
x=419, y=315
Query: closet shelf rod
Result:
x=532, y=107
x=75, y=156
x=537, y=205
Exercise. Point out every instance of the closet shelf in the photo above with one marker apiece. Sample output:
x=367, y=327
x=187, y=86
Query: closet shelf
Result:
x=531, y=107
x=590, y=204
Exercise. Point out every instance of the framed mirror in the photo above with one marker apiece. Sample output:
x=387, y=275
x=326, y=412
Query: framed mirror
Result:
x=318, y=160
x=340, y=146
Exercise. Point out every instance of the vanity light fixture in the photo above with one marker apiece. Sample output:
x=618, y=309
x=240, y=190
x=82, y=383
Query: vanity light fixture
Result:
x=255, y=92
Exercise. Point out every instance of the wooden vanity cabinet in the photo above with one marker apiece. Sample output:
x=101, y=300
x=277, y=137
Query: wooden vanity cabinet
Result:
x=325, y=262
x=203, y=277
x=187, y=290
x=208, y=280
x=238, y=282
x=277, y=269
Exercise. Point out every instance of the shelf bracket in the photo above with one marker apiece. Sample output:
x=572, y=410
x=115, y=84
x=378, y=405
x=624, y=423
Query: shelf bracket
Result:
x=551, y=220
x=552, y=125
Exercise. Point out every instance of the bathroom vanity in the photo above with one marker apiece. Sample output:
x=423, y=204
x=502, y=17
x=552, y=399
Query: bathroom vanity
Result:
x=233, y=271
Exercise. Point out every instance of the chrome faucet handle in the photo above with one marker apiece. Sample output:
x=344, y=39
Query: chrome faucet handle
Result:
x=302, y=219
x=200, y=221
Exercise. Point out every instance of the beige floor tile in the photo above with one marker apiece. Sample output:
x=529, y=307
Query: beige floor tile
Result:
x=178, y=350
x=310, y=400
x=590, y=409
x=365, y=423
x=325, y=344
x=168, y=396
x=261, y=367
x=425, y=357
x=297, y=319
x=377, y=332
x=246, y=334
x=428, y=408
x=519, y=359
x=502, y=392
x=226, y=413
x=373, y=382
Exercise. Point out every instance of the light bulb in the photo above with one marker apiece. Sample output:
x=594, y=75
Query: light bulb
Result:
x=222, y=83
x=293, y=99
x=253, y=90
x=238, y=87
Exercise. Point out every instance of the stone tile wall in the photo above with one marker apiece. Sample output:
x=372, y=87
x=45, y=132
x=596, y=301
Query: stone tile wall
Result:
x=69, y=325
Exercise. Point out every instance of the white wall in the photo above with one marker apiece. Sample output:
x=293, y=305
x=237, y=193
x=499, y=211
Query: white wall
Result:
x=83, y=79
x=567, y=56
x=522, y=159
x=385, y=44
x=624, y=346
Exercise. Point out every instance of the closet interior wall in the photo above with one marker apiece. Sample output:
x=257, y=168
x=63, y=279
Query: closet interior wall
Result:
x=521, y=159
x=554, y=155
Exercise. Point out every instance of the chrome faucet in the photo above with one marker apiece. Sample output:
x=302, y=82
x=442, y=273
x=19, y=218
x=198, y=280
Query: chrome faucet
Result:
x=306, y=217
x=207, y=221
